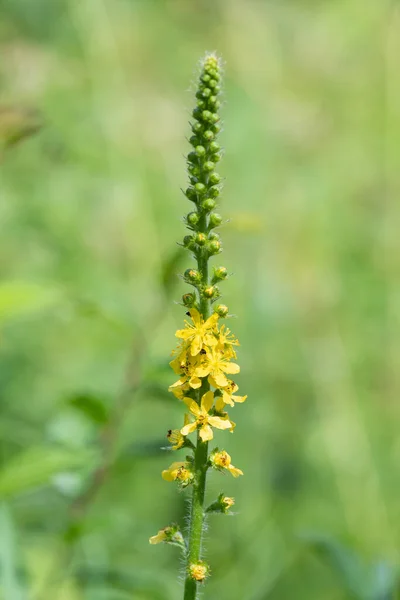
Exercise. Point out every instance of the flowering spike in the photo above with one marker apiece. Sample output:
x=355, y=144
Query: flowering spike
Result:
x=204, y=358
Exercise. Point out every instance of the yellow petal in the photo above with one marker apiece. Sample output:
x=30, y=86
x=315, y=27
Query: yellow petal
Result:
x=227, y=399
x=197, y=345
x=189, y=428
x=193, y=406
x=184, y=334
x=220, y=404
x=194, y=313
x=230, y=368
x=195, y=382
x=234, y=471
x=220, y=423
x=202, y=371
x=206, y=433
x=207, y=401
x=167, y=475
x=218, y=379
x=157, y=539
x=239, y=398
x=211, y=322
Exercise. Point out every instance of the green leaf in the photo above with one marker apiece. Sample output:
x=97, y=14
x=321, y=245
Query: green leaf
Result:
x=11, y=587
x=19, y=298
x=354, y=574
x=36, y=466
x=91, y=406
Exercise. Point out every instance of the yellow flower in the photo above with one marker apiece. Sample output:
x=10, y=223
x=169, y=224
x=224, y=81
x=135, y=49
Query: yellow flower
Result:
x=226, y=337
x=178, y=471
x=185, y=366
x=221, y=460
x=180, y=387
x=199, y=571
x=204, y=421
x=175, y=437
x=160, y=537
x=200, y=333
x=170, y=534
x=228, y=396
x=216, y=365
x=227, y=502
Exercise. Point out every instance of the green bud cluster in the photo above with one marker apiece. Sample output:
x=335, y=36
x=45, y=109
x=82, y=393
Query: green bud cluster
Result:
x=205, y=187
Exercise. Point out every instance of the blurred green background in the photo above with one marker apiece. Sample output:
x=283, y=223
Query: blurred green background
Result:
x=90, y=213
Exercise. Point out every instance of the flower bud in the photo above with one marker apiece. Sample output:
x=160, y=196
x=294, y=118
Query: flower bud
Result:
x=221, y=310
x=200, y=239
x=200, y=188
x=220, y=273
x=200, y=150
x=194, y=170
x=214, y=117
x=188, y=242
x=214, y=236
x=208, y=204
x=194, y=140
x=192, y=158
x=216, y=128
x=197, y=127
x=214, y=247
x=215, y=178
x=221, y=505
x=213, y=192
x=189, y=300
x=191, y=194
x=206, y=78
x=210, y=291
x=215, y=220
x=207, y=115
x=213, y=83
x=197, y=113
x=193, y=218
x=206, y=92
x=208, y=135
x=192, y=276
x=216, y=157
x=208, y=165
x=214, y=147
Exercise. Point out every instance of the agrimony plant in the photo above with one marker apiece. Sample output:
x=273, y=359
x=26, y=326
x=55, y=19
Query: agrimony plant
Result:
x=206, y=349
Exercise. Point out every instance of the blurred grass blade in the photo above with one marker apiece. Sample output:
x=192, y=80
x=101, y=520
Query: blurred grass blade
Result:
x=36, y=466
x=353, y=574
x=10, y=585
x=19, y=298
x=16, y=124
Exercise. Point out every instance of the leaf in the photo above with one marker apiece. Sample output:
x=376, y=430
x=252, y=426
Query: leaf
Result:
x=91, y=406
x=35, y=467
x=10, y=585
x=18, y=298
x=354, y=575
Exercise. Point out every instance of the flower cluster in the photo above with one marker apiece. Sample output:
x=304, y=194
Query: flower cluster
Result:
x=205, y=358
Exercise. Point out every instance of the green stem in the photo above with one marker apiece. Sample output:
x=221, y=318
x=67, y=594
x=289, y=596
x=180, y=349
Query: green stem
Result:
x=201, y=453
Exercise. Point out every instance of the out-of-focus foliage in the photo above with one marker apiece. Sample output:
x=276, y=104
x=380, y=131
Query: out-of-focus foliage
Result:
x=89, y=214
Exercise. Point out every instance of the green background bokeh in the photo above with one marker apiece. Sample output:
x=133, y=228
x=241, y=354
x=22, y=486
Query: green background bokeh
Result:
x=90, y=212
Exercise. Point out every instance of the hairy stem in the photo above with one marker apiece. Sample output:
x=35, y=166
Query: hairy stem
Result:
x=201, y=453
